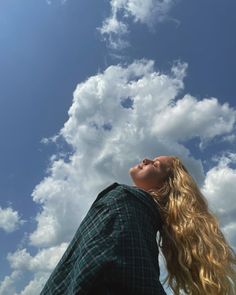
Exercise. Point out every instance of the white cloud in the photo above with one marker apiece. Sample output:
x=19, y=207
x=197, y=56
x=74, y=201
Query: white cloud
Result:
x=7, y=286
x=189, y=118
x=114, y=30
x=40, y=265
x=220, y=188
x=35, y=286
x=44, y=261
x=149, y=12
x=9, y=219
x=229, y=231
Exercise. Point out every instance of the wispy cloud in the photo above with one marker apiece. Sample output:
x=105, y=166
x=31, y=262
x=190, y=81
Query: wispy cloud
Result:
x=50, y=2
x=115, y=28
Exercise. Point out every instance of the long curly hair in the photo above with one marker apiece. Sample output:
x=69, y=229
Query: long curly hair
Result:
x=197, y=256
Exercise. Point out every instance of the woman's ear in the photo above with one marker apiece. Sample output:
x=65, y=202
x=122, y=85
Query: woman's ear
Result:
x=170, y=172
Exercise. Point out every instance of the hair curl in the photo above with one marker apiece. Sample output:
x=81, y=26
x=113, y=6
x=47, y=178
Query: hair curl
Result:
x=197, y=256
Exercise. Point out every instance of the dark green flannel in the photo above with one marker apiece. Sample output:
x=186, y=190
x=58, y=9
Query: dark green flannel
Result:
x=114, y=250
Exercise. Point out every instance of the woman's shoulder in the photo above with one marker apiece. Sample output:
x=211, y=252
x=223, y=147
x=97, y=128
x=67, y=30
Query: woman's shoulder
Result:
x=107, y=189
x=124, y=194
x=116, y=187
x=121, y=188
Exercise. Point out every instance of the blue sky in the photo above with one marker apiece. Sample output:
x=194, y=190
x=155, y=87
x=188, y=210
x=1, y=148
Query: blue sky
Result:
x=178, y=69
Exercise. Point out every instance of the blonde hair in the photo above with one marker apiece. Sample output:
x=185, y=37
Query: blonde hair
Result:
x=197, y=256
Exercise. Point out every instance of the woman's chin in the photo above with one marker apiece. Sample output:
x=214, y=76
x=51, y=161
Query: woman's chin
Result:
x=130, y=170
x=133, y=169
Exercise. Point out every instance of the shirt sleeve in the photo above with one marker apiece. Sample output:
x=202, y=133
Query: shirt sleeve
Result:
x=88, y=255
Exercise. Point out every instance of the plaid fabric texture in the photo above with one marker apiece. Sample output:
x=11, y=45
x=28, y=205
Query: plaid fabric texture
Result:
x=114, y=250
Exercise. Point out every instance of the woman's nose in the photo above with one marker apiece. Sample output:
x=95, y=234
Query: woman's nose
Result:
x=146, y=161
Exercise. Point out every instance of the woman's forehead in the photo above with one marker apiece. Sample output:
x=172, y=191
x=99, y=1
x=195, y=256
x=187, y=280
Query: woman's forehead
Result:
x=163, y=159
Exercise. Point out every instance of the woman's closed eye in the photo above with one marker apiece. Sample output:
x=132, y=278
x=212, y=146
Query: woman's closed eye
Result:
x=156, y=164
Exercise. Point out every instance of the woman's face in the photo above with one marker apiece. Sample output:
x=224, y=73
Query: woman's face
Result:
x=150, y=174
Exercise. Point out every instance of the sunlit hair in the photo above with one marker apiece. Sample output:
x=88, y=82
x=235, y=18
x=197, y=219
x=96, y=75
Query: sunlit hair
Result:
x=197, y=256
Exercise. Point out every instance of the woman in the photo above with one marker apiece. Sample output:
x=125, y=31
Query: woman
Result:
x=198, y=258
x=115, y=251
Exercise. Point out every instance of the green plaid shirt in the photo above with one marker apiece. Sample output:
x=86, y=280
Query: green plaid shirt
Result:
x=114, y=250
